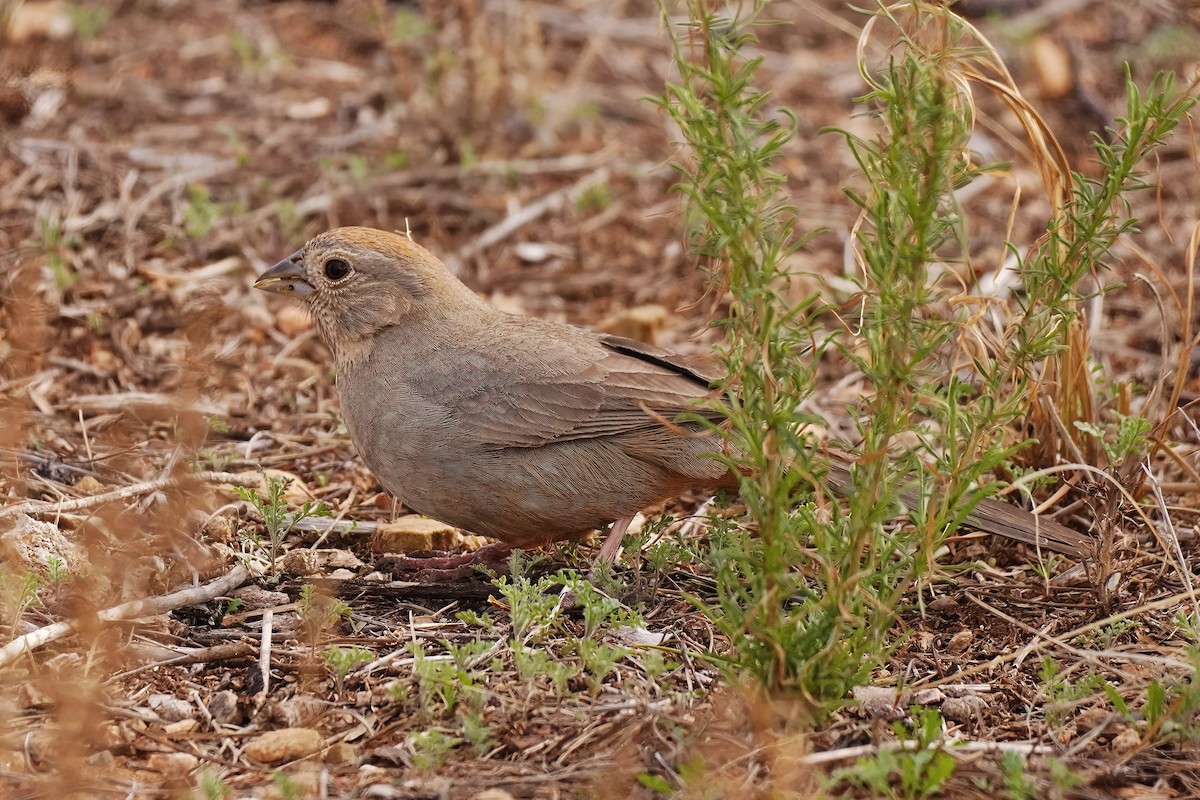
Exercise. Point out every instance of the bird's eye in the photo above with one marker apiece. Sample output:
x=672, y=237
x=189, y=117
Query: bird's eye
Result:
x=336, y=269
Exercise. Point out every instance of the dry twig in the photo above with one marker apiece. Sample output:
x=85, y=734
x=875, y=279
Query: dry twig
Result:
x=147, y=607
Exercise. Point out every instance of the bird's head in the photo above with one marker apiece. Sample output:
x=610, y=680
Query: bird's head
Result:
x=358, y=281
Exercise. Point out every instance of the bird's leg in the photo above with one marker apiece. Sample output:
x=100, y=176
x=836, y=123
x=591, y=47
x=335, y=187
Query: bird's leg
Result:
x=612, y=542
x=440, y=568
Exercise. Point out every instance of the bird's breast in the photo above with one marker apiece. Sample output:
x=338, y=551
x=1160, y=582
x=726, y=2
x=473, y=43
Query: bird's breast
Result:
x=401, y=436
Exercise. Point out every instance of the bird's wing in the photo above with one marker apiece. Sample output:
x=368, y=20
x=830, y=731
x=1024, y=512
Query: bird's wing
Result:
x=594, y=386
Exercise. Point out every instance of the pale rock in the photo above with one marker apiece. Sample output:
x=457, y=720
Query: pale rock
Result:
x=299, y=563
x=641, y=323
x=336, y=558
x=964, y=709
x=172, y=763
x=294, y=712
x=1052, y=65
x=1092, y=716
x=51, y=20
x=170, y=708
x=182, y=727
x=255, y=597
x=413, y=532
x=88, y=485
x=881, y=702
x=342, y=753
x=960, y=642
x=636, y=636
x=31, y=545
x=224, y=708
x=218, y=529
x=929, y=697
x=316, y=108
x=1126, y=741
x=286, y=744
x=537, y=252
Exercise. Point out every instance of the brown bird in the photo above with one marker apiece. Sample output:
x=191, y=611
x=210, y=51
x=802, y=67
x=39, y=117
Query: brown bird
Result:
x=522, y=429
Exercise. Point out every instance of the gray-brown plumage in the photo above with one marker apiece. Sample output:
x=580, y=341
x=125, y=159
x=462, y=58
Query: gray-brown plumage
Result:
x=522, y=429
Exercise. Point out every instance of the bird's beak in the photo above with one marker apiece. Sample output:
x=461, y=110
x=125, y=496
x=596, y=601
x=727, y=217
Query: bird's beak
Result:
x=286, y=277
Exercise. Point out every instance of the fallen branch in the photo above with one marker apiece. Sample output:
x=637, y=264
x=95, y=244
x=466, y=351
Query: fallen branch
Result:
x=525, y=215
x=403, y=179
x=124, y=493
x=264, y=651
x=156, y=655
x=146, y=607
x=951, y=746
x=125, y=401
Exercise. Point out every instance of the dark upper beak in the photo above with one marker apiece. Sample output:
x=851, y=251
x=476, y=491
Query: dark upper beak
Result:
x=286, y=277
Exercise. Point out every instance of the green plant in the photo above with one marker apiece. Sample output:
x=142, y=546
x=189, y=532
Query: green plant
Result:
x=1063, y=695
x=397, y=159
x=241, y=152
x=213, y=787
x=1122, y=440
x=344, y=660
x=786, y=634
x=1170, y=708
x=655, y=783
x=655, y=665
x=476, y=619
x=291, y=223
x=359, y=167
x=809, y=602
x=273, y=509
x=288, y=787
x=599, y=659
x=212, y=460
x=476, y=731
x=202, y=213
x=1017, y=785
x=918, y=768
x=408, y=26
x=55, y=246
x=231, y=606
x=531, y=603
x=533, y=664
x=1087, y=222
x=56, y=573
x=1108, y=635
x=18, y=593
x=452, y=681
x=88, y=21
x=431, y=748
x=252, y=58
x=671, y=552
x=594, y=198
x=318, y=613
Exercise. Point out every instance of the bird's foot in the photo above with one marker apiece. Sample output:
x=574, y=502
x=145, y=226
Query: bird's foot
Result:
x=433, y=566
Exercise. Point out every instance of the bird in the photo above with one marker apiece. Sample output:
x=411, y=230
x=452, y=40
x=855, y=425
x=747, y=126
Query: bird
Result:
x=522, y=429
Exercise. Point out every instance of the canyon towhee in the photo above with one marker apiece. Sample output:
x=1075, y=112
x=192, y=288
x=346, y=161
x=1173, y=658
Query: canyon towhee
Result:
x=522, y=429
